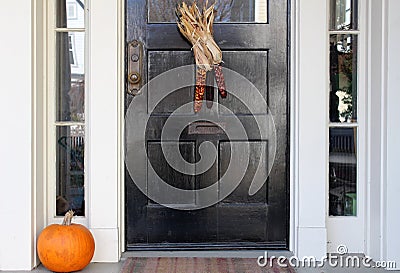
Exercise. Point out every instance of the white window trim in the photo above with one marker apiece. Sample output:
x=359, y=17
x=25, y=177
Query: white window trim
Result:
x=104, y=168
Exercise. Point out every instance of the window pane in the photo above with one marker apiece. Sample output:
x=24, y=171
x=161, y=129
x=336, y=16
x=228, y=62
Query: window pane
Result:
x=70, y=66
x=344, y=14
x=70, y=13
x=343, y=78
x=70, y=169
x=226, y=10
x=343, y=172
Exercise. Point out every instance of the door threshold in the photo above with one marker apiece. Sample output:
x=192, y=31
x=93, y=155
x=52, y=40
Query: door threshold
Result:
x=207, y=253
x=206, y=246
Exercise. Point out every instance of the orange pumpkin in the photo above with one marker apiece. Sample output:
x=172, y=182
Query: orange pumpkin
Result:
x=66, y=247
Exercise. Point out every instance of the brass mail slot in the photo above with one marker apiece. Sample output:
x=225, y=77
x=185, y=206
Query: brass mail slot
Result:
x=206, y=128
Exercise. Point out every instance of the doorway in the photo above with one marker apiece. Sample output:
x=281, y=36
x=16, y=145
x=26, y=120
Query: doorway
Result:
x=253, y=36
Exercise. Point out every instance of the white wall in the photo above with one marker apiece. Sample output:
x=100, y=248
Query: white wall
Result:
x=16, y=237
x=393, y=135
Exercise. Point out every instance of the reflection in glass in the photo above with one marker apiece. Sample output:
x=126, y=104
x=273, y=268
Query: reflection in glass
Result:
x=226, y=10
x=343, y=78
x=70, y=169
x=342, y=171
x=344, y=14
x=70, y=67
x=70, y=13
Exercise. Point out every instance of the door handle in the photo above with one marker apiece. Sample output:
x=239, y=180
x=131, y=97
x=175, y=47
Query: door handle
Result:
x=135, y=66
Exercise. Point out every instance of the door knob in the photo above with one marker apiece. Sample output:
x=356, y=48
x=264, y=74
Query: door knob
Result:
x=134, y=78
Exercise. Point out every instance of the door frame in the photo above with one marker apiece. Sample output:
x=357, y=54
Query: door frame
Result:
x=305, y=224
x=105, y=168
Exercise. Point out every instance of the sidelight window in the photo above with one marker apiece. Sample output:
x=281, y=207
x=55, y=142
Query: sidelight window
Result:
x=67, y=92
x=343, y=107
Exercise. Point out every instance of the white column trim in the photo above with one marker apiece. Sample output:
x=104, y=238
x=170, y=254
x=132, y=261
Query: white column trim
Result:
x=377, y=33
x=104, y=149
x=293, y=91
x=393, y=135
x=311, y=127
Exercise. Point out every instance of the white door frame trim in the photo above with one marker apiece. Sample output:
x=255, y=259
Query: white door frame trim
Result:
x=309, y=123
x=307, y=224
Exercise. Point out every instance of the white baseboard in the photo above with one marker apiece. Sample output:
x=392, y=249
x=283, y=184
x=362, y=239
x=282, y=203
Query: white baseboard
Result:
x=107, y=245
x=311, y=242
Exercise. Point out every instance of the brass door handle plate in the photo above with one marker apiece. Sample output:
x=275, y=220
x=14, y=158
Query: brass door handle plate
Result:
x=135, y=66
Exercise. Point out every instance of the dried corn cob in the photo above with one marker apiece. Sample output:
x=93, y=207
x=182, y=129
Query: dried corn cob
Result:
x=200, y=88
x=219, y=76
x=197, y=26
x=210, y=89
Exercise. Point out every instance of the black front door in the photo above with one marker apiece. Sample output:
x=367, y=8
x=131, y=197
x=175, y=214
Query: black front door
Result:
x=253, y=35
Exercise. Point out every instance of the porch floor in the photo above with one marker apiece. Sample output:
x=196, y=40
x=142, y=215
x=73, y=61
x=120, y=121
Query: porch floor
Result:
x=115, y=267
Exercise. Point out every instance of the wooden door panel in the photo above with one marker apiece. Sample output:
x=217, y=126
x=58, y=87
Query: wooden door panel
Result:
x=258, y=52
x=136, y=211
x=162, y=61
x=165, y=225
x=228, y=36
x=243, y=222
x=253, y=65
x=166, y=172
x=245, y=217
x=209, y=177
x=241, y=193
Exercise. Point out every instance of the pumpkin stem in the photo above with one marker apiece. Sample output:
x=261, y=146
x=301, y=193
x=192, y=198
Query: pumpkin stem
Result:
x=67, y=218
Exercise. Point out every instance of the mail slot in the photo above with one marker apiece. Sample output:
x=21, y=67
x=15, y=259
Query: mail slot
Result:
x=206, y=128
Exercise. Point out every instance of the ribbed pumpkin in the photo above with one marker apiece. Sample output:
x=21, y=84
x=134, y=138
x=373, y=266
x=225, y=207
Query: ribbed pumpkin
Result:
x=67, y=247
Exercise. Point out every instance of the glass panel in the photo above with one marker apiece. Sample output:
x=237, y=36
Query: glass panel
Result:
x=70, y=169
x=227, y=10
x=343, y=78
x=343, y=171
x=70, y=13
x=70, y=67
x=344, y=15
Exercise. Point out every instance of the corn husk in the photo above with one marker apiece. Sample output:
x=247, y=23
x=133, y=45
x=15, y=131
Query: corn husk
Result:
x=197, y=26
